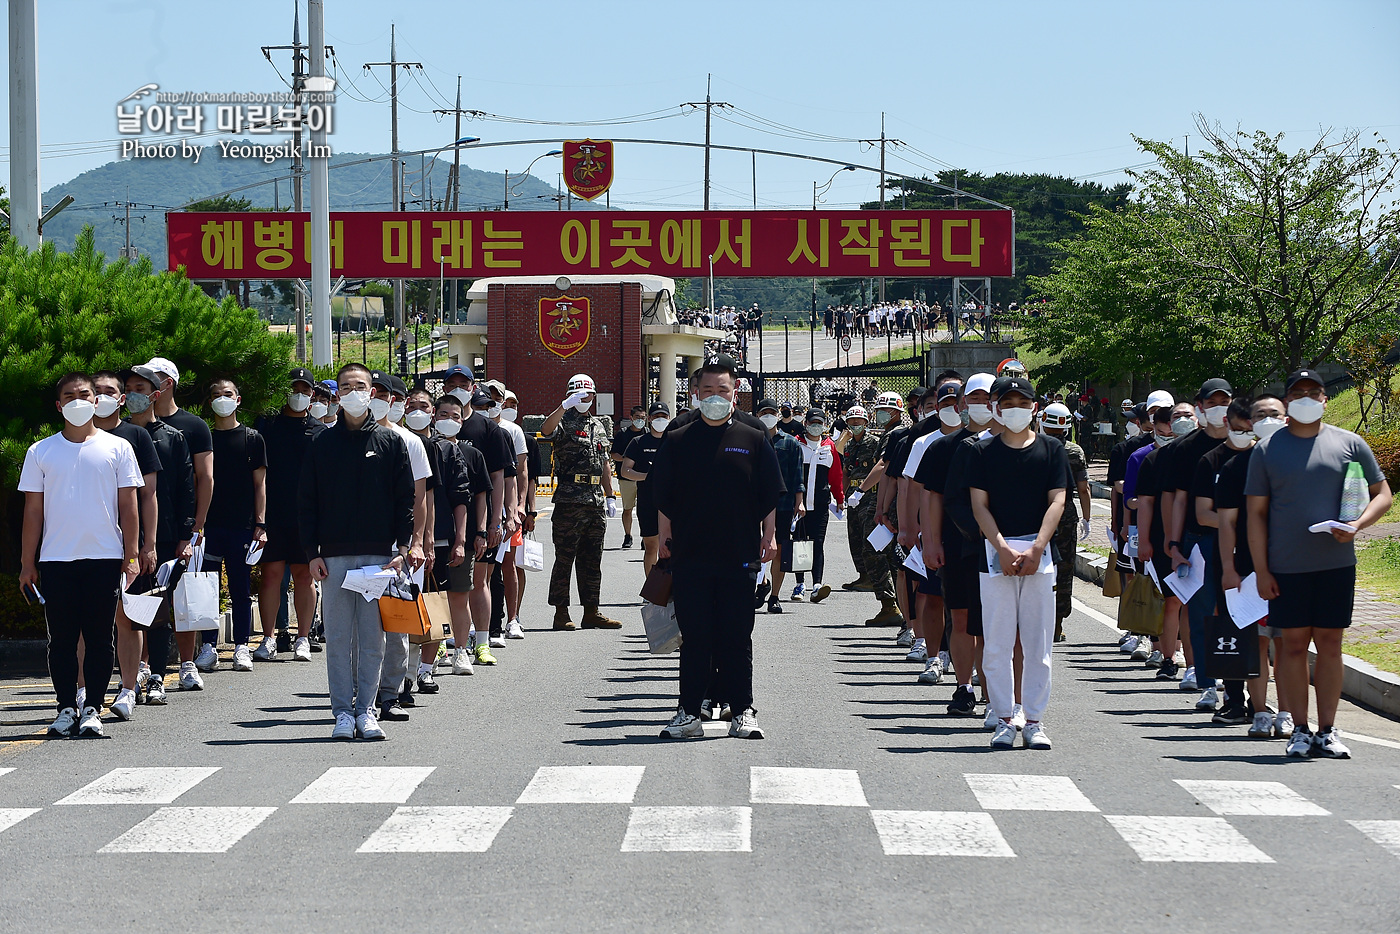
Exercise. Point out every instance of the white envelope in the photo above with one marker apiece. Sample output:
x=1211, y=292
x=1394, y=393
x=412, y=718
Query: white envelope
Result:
x=880, y=538
x=1047, y=566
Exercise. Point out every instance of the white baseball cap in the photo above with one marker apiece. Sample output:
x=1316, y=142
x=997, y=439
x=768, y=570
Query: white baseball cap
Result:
x=1159, y=399
x=162, y=365
x=978, y=381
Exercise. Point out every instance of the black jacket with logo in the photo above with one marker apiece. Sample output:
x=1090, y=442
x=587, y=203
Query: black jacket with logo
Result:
x=356, y=492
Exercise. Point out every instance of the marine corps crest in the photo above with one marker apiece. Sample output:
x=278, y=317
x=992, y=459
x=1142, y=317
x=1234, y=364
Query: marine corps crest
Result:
x=564, y=324
x=588, y=167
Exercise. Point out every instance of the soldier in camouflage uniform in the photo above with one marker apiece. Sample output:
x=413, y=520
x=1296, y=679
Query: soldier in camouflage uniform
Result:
x=584, y=500
x=894, y=423
x=1070, y=531
x=861, y=454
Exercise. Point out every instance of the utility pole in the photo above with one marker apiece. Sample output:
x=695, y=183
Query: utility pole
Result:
x=400, y=313
x=128, y=251
x=24, y=123
x=709, y=105
x=298, y=51
x=320, y=198
x=883, y=141
x=454, y=184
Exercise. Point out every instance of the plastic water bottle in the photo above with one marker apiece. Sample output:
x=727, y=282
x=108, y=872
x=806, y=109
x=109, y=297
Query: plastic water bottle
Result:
x=1355, y=493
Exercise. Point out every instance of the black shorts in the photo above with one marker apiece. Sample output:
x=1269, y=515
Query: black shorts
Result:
x=783, y=524
x=1320, y=599
x=284, y=544
x=962, y=588
x=930, y=586
x=453, y=580
x=646, y=513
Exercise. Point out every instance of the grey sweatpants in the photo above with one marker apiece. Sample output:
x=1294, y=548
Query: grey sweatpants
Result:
x=354, y=638
x=395, y=668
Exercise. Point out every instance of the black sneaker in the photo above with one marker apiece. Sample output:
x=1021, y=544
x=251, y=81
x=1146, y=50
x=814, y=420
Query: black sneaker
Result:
x=406, y=695
x=761, y=594
x=284, y=640
x=427, y=684
x=1168, y=671
x=964, y=703
x=1232, y=713
x=392, y=710
x=774, y=606
x=626, y=541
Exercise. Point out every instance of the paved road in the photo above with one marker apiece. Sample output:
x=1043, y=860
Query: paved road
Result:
x=866, y=809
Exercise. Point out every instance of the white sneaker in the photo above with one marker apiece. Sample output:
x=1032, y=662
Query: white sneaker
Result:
x=367, y=725
x=81, y=700
x=1035, y=737
x=1329, y=745
x=207, y=659
x=90, y=726
x=1018, y=717
x=1179, y=659
x=1210, y=699
x=1299, y=743
x=121, y=707
x=344, y=728
x=1263, y=725
x=302, y=651
x=514, y=630
x=744, y=725
x=945, y=661
x=1283, y=724
x=497, y=642
x=1128, y=645
x=1155, y=659
x=64, y=723
x=155, y=691
x=1188, y=680
x=991, y=720
x=462, y=661
x=1142, y=650
x=905, y=638
x=189, y=678
x=683, y=726
x=933, y=671
x=918, y=653
x=1004, y=737
x=242, y=659
x=266, y=650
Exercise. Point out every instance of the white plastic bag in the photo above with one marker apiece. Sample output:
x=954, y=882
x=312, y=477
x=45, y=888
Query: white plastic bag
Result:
x=663, y=632
x=530, y=555
x=196, y=602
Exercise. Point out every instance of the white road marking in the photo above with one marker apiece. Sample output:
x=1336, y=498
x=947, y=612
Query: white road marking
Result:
x=373, y=785
x=6, y=771
x=1186, y=840
x=1028, y=793
x=139, y=786
x=438, y=830
x=11, y=816
x=1273, y=799
x=939, y=833
x=1374, y=741
x=583, y=784
x=1094, y=614
x=1384, y=832
x=189, y=830
x=838, y=787
x=689, y=830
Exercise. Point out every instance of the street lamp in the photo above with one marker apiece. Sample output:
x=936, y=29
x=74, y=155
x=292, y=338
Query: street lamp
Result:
x=818, y=191
x=520, y=178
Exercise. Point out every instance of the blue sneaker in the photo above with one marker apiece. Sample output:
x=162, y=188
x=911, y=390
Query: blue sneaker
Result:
x=797, y=596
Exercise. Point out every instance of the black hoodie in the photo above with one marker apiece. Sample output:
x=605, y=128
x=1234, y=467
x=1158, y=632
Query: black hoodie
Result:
x=356, y=493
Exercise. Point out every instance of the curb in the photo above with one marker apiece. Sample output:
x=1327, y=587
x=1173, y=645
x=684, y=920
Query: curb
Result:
x=24, y=656
x=1362, y=682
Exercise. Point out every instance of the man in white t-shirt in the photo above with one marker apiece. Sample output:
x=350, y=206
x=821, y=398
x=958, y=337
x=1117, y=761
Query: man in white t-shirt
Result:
x=505, y=572
x=80, y=547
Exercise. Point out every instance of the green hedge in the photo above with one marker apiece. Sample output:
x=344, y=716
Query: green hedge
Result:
x=1385, y=444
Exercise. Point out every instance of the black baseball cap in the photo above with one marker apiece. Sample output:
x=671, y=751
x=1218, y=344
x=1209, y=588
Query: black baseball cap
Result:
x=948, y=390
x=397, y=387
x=1013, y=384
x=766, y=404
x=301, y=374
x=481, y=399
x=1298, y=376
x=1214, y=385
x=638, y=408
x=381, y=379
x=719, y=361
x=659, y=408
x=916, y=393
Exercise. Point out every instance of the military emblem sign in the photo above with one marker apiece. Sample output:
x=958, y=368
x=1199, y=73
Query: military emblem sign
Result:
x=588, y=167
x=564, y=325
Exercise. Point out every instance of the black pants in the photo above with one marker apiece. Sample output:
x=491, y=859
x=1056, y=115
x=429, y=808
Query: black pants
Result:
x=813, y=526
x=498, y=597
x=714, y=607
x=81, y=601
x=158, y=636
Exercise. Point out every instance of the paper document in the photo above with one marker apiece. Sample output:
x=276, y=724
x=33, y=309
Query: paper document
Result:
x=501, y=551
x=255, y=551
x=835, y=509
x=1245, y=605
x=994, y=569
x=369, y=581
x=1186, y=587
x=880, y=538
x=1331, y=524
x=139, y=608
x=763, y=572
x=417, y=576
x=1152, y=573
x=915, y=562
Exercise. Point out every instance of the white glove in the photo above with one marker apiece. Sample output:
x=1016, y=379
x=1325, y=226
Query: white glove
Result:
x=1084, y=530
x=855, y=498
x=610, y=507
x=573, y=400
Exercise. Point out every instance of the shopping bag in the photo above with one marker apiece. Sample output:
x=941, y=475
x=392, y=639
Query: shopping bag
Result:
x=196, y=602
x=403, y=610
x=799, y=553
x=1112, y=580
x=1233, y=652
x=663, y=632
x=1140, y=610
x=439, y=617
x=530, y=555
x=656, y=589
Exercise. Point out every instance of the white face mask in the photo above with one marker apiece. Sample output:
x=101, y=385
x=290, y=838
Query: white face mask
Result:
x=1161, y=440
x=716, y=407
x=318, y=409
x=1305, y=410
x=379, y=409
x=1015, y=419
x=770, y=421
x=332, y=408
x=493, y=412
x=106, y=405
x=448, y=427
x=356, y=403
x=298, y=401
x=639, y=423
x=462, y=395
x=418, y=419
x=509, y=415
x=1133, y=430
x=396, y=410
x=1239, y=440
x=1264, y=427
x=979, y=413
x=950, y=416
x=79, y=412
x=1215, y=415
x=659, y=424
x=583, y=406
x=224, y=406
x=1183, y=426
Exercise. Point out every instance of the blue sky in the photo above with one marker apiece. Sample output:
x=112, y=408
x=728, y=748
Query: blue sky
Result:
x=993, y=86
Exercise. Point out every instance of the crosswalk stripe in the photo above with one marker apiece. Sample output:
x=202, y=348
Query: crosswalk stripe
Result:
x=1384, y=832
x=1028, y=793
x=139, y=786
x=1274, y=799
x=438, y=830
x=6, y=771
x=190, y=830
x=689, y=830
x=583, y=784
x=939, y=833
x=1186, y=840
x=11, y=816
x=837, y=787
x=364, y=785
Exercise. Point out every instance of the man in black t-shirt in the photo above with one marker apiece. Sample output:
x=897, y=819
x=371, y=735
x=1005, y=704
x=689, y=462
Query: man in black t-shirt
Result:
x=237, y=519
x=635, y=467
x=1137, y=436
x=1152, y=504
x=716, y=485
x=635, y=427
x=1018, y=485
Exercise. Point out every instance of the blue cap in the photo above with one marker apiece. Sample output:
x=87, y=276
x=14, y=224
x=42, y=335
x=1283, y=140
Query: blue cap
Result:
x=459, y=370
x=331, y=384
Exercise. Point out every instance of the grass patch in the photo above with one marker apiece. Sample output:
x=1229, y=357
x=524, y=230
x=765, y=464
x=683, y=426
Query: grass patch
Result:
x=884, y=356
x=1385, y=656
x=1100, y=550
x=1378, y=567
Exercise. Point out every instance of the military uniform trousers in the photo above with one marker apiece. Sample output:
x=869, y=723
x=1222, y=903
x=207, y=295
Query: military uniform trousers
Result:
x=1067, y=542
x=870, y=564
x=578, y=543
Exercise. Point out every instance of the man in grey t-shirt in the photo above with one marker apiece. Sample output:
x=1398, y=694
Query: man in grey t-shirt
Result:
x=1309, y=578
